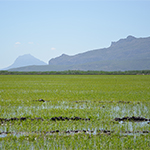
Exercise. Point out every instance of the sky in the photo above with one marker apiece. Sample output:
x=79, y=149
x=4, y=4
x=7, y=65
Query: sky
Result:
x=49, y=28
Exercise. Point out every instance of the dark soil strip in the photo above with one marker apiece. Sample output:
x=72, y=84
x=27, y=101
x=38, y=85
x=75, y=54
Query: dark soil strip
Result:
x=124, y=102
x=57, y=131
x=133, y=118
x=108, y=132
x=51, y=119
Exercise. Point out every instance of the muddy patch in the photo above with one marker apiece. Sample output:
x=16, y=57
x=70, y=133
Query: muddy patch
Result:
x=60, y=118
x=133, y=118
x=41, y=100
x=124, y=102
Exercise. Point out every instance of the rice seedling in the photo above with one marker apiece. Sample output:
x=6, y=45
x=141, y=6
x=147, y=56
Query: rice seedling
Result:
x=74, y=111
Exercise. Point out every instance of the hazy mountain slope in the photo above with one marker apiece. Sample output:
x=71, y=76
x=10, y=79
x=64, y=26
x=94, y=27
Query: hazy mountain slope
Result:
x=111, y=65
x=41, y=68
x=124, y=49
x=115, y=65
x=25, y=60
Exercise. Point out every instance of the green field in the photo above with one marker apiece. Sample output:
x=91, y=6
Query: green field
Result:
x=100, y=98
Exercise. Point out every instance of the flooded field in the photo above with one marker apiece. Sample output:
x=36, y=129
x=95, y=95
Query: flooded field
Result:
x=74, y=112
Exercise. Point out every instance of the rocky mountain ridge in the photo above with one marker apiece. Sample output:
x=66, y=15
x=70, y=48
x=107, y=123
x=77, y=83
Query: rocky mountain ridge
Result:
x=124, y=49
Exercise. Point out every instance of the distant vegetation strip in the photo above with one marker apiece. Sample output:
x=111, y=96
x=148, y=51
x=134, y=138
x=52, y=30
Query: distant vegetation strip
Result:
x=78, y=72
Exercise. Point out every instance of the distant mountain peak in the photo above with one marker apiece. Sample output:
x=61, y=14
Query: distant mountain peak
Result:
x=25, y=56
x=25, y=60
x=127, y=39
x=64, y=55
x=130, y=38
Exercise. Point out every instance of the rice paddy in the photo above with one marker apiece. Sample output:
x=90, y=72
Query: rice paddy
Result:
x=74, y=112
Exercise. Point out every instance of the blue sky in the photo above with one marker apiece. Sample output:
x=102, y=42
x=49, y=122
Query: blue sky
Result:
x=47, y=29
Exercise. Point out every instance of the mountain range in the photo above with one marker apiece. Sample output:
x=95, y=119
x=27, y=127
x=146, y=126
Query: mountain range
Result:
x=130, y=53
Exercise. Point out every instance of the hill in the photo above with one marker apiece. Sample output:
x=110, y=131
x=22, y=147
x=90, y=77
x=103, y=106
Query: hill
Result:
x=25, y=60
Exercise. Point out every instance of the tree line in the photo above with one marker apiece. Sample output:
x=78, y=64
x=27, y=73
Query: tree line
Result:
x=78, y=72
